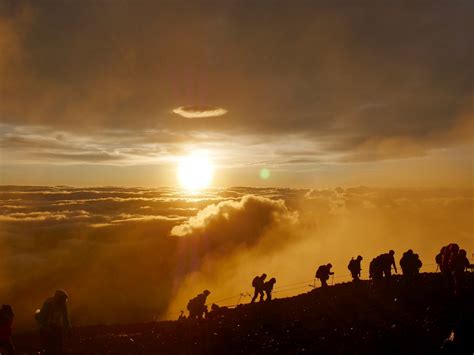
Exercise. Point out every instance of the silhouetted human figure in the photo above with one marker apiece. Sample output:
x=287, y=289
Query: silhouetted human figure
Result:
x=323, y=273
x=447, y=260
x=355, y=268
x=197, y=305
x=417, y=264
x=439, y=258
x=181, y=316
x=386, y=262
x=257, y=284
x=375, y=270
x=406, y=261
x=6, y=320
x=460, y=264
x=268, y=288
x=410, y=264
x=53, y=321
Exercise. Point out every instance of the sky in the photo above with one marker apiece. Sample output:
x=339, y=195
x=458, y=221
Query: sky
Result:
x=318, y=93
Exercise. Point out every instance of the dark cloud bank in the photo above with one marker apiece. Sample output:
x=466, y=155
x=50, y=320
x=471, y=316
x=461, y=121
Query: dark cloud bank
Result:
x=130, y=254
x=370, y=80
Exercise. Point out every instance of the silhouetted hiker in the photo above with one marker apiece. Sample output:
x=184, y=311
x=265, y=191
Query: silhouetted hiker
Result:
x=6, y=320
x=375, y=270
x=460, y=264
x=268, y=287
x=386, y=262
x=439, y=258
x=410, y=264
x=53, y=321
x=257, y=284
x=447, y=258
x=323, y=273
x=197, y=305
x=181, y=316
x=417, y=264
x=354, y=268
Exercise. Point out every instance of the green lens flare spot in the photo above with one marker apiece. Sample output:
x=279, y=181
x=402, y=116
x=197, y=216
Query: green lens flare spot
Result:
x=264, y=174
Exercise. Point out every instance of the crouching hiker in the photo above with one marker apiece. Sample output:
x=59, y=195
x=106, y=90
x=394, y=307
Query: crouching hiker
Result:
x=355, y=268
x=197, y=306
x=268, y=288
x=323, y=273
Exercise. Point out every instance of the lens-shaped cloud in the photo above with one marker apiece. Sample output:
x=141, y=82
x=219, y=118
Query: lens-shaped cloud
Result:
x=199, y=111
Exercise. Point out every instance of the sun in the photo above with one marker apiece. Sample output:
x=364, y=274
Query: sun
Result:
x=195, y=171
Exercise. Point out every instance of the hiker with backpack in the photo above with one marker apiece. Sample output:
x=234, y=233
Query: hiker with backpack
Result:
x=257, y=284
x=386, y=261
x=355, y=268
x=410, y=264
x=447, y=259
x=6, y=320
x=460, y=265
x=375, y=270
x=53, y=321
x=197, y=306
x=323, y=273
x=439, y=259
x=268, y=288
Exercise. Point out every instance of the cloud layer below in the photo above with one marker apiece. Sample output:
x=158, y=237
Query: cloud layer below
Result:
x=144, y=252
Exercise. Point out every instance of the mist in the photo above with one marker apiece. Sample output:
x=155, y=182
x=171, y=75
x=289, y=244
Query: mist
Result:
x=129, y=255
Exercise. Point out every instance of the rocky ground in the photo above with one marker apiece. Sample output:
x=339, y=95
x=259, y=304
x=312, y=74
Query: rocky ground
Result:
x=342, y=319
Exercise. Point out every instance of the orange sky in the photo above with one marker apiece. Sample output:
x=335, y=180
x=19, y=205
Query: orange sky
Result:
x=319, y=93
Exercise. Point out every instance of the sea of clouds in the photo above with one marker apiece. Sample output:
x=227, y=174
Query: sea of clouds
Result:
x=136, y=254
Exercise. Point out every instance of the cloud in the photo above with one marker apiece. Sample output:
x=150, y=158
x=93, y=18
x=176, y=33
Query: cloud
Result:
x=199, y=111
x=147, y=251
x=330, y=79
x=235, y=223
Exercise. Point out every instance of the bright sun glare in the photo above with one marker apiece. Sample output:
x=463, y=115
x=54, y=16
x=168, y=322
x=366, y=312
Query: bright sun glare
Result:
x=195, y=171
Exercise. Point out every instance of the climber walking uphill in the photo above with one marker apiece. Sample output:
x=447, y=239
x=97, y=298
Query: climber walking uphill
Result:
x=386, y=261
x=197, y=305
x=268, y=288
x=410, y=264
x=53, y=321
x=355, y=268
x=323, y=273
x=453, y=263
x=461, y=264
x=257, y=284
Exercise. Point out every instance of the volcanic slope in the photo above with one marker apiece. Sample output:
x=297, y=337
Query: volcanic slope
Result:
x=343, y=319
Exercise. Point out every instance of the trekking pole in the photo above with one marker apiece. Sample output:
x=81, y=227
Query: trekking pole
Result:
x=332, y=280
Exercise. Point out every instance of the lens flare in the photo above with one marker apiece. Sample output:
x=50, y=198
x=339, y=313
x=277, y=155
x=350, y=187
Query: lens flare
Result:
x=264, y=174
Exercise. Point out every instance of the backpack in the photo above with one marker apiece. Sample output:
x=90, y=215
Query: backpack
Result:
x=320, y=272
x=449, y=256
x=352, y=265
x=191, y=304
x=255, y=281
